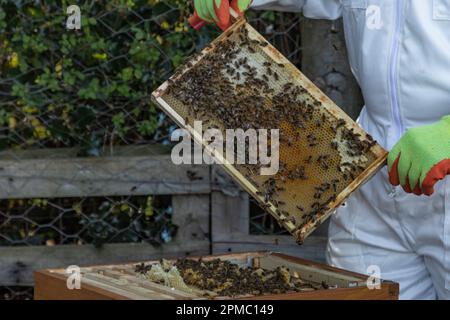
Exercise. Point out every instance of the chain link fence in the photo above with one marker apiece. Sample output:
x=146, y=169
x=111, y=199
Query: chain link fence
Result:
x=89, y=90
x=93, y=220
x=16, y=293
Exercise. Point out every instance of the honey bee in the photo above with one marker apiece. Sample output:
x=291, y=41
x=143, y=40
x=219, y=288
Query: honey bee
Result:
x=275, y=76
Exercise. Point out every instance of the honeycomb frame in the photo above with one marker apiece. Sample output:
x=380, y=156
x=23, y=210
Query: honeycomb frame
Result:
x=297, y=226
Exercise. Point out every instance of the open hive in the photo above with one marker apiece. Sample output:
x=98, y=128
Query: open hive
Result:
x=241, y=81
x=214, y=277
x=220, y=277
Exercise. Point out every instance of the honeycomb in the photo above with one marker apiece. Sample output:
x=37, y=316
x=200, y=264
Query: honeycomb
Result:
x=240, y=81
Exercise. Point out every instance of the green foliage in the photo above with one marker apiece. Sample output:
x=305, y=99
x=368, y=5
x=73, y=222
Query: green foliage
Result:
x=3, y=117
x=89, y=87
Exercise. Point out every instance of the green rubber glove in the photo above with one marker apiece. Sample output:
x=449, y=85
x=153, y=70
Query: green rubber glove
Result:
x=218, y=11
x=240, y=6
x=206, y=9
x=421, y=158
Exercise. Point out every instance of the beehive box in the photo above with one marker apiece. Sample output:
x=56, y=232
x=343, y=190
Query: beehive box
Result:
x=241, y=81
x=122, y=282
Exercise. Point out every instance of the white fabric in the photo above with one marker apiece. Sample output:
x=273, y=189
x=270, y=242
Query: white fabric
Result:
x=399, y=51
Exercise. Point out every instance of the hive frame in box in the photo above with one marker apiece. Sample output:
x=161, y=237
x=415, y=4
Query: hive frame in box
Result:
x=119, y=282
x=305, y=230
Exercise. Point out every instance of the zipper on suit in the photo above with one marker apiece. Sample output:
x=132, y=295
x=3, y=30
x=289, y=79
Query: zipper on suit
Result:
x=393, y=69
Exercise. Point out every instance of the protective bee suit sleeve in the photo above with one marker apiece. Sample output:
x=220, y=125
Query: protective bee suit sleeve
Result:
x=399, y=52
x=318, y=9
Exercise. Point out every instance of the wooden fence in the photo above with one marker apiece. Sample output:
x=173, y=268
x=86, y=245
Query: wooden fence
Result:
x=211, y=211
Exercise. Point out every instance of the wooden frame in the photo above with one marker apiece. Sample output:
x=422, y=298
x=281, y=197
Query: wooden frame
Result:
x=306, y=229
x=120, y=282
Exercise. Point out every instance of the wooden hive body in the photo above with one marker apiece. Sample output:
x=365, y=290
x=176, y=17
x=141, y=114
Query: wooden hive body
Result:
x=318, y=167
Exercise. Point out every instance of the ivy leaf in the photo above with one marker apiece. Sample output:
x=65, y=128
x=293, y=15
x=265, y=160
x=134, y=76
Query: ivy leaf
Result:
x=90, y=92
x=127, y=74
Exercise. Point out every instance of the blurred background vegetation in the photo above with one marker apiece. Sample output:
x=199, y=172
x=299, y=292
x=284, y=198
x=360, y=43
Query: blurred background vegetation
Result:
x=91, y=88
x=88, y=88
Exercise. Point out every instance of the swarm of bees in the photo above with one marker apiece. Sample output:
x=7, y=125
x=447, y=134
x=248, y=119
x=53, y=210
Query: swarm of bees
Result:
x=237, y=85
x=224, y=278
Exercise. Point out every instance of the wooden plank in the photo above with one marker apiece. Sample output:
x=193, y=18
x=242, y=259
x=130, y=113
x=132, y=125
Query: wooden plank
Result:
x=122, y=285
x=192, y=214
x=388, y=291
x=18, y=263
x=325, y=62
x=61, y=153
x=52, y=286
x=144, y=283
x=100, y=176
x=313, y=249
x=230, y=207
x=229, y=216
x=129, y=271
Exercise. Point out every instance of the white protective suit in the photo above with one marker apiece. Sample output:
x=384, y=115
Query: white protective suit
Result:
x=399, y=51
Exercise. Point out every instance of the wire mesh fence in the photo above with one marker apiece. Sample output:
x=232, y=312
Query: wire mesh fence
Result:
x=16, y=293
x=89, y=90
x=94, y=220
x=262, y=223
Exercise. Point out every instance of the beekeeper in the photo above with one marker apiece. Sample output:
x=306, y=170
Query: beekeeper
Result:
x=399, y=221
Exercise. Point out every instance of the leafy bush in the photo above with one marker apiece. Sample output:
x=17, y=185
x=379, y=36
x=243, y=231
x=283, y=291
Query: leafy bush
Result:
x=91, y=87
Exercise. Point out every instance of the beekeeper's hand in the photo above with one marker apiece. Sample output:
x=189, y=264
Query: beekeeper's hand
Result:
x=218, y=11
x=421, y=157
